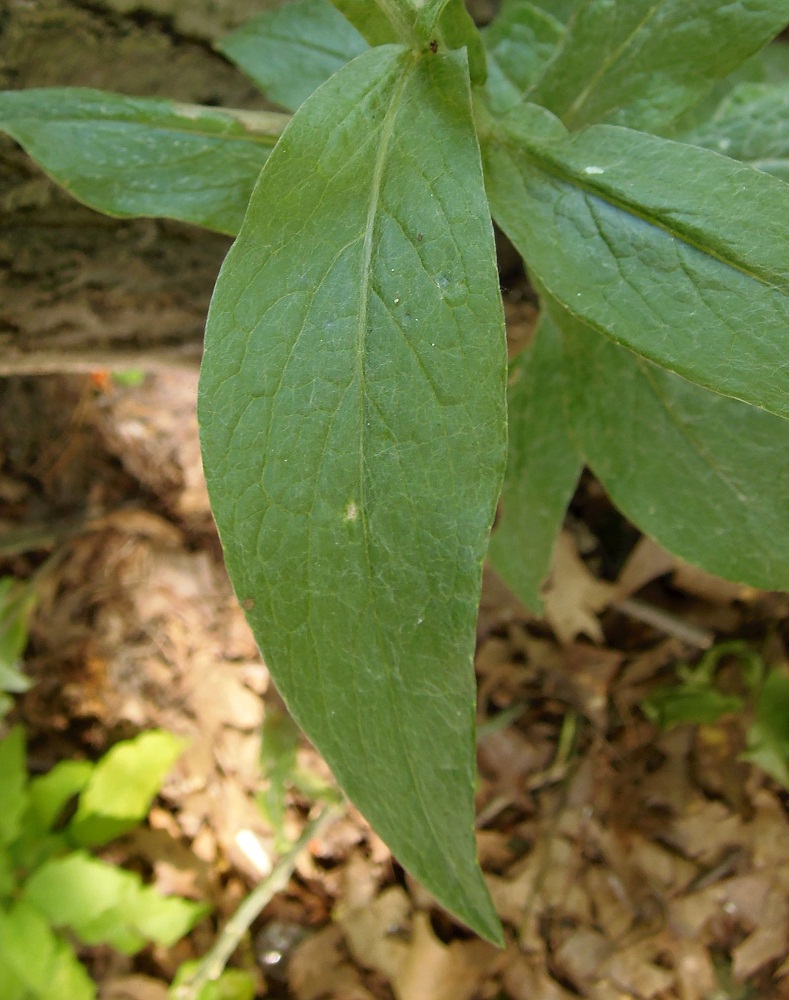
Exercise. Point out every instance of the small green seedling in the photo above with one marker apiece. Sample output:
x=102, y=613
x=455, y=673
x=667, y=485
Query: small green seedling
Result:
x=698, y=699
x=17, y=600
x=52, y=890
x=355, y=396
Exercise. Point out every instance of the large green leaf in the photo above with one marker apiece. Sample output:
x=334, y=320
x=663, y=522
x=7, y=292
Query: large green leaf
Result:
x=353, y=424
x=128, y=156
x=290, y=51
x=519, y=43
x=642, y=62
x=751, y=125
x=705, y=475
x=673, y=251
x=543, y=466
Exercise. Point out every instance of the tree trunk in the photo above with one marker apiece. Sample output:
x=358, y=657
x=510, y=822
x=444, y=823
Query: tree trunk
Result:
x=79, y=290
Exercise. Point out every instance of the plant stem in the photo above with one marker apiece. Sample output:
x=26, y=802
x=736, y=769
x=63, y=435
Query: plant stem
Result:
x=214, y=961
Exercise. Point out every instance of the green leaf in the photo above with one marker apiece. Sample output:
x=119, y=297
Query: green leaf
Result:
x=705, y=475
x=39, y=959
x=48, y=797
x=107, y=905
x=290, y=51
x=543, y=466
x=775, y=63
x=128, y=156
x=643, y=62
x=456, y=30
x=232, y=984
x=122, y=786
x=519, y=43
x=751, y=125
x=768, y=737
x=279, y=740
x=353, y=428
x=17, y=600
x=13, y=782
x=680, y=704
x=673, y=251
x=50, y=792
x=562, y=10
x=368, y=19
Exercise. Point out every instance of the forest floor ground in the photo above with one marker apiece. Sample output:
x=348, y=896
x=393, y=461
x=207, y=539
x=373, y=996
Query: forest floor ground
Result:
x=626, y=861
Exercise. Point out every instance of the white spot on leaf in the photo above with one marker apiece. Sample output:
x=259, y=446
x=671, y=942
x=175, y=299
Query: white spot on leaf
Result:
x=351, y=511
x=594, y=170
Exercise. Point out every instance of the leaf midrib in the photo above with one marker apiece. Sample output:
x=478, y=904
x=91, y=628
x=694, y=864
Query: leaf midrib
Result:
x=387, y=134
x=256, y=138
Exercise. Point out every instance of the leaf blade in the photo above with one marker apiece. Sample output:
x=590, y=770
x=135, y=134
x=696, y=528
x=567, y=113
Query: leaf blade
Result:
x=752, y=126
x=128, y=156
x=705, y=475
x=635, y=235
x=519, y=42
x=334, y=347
x=613, y=53
x=290, y=51
x=543, y=466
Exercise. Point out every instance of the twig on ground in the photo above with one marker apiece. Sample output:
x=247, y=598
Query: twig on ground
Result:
x=213, y=963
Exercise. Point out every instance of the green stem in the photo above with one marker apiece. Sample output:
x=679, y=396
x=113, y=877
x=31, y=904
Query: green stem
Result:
x=213, y=963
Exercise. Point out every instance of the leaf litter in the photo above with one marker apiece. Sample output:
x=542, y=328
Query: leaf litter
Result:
x=625, y=861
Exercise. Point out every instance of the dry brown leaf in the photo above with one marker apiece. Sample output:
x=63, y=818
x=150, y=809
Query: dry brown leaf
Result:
x=633, y=969
x=694, y=970
x=769, y=941
x=133, y=988
x=319, y=968
x=696, y=581
x=573, y=596
x=373, y=932
x=431, y=970
x=646, y=563
x=526, y=979
x=580, y=956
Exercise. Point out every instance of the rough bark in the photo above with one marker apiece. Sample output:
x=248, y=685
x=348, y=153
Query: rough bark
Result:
x=79, y=290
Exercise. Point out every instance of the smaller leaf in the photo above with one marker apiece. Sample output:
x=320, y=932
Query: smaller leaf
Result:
x=291, y=50
x=129, y=156
x=232, y=984
x=560, y=9
x=49, y=796
x=17, y=601
x=768, y=736
x=13, y=781
x=122, y=786
x=543, y=465
x=676, y=705
x=104, y=904
x=279, y=740
x=519, y=43
x=369, y=20
x=50, y=792
x=705, y=475
x=34, y=955
x=751, y=125
x=457, y=30
x=641, y=63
